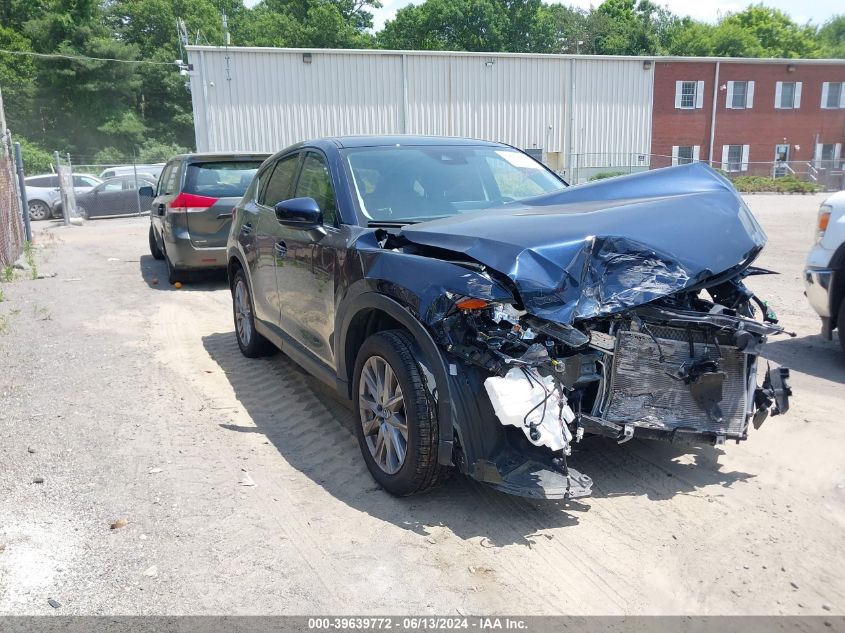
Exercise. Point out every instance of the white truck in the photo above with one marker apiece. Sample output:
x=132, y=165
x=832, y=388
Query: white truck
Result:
x=824, y=274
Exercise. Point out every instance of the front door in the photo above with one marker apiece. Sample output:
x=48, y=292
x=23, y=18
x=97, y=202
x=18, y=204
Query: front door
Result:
x=781, y=159
x=269, y=234
x=305, y=275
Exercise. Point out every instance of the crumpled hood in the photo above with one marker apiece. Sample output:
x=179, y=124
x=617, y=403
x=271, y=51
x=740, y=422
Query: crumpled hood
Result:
x=607, y=246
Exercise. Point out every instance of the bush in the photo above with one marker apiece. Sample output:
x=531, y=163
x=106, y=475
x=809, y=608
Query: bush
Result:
x=35, y=159
x=607, y=174
x=784, y=184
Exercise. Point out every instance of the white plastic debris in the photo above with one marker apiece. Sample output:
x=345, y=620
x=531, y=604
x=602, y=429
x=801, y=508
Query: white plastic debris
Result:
x=515, y=395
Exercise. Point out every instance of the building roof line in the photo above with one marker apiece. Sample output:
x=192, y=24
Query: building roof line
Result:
x=421, y=53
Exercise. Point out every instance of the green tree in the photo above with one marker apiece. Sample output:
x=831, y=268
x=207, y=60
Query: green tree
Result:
x=776, y=32
x=832, y=37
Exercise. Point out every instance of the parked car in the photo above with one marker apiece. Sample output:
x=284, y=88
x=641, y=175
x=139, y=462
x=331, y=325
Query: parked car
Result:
x=481, y=315
x=143, y=171
x=192, y=209
x=116, y=196
x=824, y=275
x=43, y=196
x=41, y=201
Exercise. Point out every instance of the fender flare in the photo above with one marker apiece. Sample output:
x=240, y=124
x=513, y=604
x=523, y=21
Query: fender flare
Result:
x=373, y=300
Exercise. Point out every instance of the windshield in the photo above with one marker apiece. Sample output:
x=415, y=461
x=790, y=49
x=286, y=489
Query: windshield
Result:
x=407, y=184
x=220, y=179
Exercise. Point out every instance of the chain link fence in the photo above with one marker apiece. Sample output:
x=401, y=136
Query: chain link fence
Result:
x=829, y=175
x=11, y=222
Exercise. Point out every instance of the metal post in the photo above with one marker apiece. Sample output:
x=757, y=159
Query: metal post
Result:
x=135, y=175
x=22, y=185
x=65, y=215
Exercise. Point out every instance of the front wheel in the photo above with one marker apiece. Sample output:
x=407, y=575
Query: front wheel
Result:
x=155, y=251
x=396, y=424
x=39, y=210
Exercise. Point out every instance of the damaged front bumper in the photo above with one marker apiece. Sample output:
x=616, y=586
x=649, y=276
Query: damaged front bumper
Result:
x=659, y=371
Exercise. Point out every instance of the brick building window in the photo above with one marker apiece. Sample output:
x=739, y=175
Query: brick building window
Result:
x=740, y=95
x=828, y=155
x=689, y=95
x=833, y=95
x=788, y=95
x=735, y=158
x=685, y=154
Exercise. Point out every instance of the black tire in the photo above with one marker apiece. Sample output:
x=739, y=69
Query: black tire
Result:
x=419, y=471
x=840, y=324
x=172, y=273
x=254, y=345
x=82, y=212
x=39, y=210
x=155, y=251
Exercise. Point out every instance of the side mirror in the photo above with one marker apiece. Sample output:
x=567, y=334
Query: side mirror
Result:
x=146, y=192
x=299, y=213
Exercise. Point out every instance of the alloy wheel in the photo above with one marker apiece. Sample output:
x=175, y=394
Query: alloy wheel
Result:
x=243, y=313
x=382, y=408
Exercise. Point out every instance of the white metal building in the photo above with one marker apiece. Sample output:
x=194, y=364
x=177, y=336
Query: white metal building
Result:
x=264, y=99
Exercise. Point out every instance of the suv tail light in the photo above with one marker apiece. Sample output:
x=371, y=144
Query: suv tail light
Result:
x=190, y=202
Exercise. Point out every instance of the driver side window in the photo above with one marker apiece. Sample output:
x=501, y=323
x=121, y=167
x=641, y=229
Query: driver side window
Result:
x=315, y=182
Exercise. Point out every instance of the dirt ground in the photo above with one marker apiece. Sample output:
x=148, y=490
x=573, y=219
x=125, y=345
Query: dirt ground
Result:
x=245, y=492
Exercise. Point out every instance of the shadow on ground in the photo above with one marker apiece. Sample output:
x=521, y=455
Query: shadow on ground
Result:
x=154, y=274
x=313, y=432
x=812, y=355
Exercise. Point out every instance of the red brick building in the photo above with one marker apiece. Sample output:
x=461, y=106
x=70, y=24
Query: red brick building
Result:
x=765, y=110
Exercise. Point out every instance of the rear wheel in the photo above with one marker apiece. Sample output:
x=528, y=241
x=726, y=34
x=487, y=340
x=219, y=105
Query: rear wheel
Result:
x=172, y=273
x=396, y=424
x=39, y=210
x=155, y=251
x=252, y=343
x=840, y=324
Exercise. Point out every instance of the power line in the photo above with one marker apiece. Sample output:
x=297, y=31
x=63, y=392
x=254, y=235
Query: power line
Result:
x=87, y=58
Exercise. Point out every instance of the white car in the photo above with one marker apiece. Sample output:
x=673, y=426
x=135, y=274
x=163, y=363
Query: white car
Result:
x=824, y=275
x=142, y=171
x=42, y=193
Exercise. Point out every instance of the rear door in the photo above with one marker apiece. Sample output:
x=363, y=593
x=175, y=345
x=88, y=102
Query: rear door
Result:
x=168, y=189
x=210, y=191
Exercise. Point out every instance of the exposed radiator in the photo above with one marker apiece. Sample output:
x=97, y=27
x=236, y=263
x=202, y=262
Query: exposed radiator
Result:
x=643, y=393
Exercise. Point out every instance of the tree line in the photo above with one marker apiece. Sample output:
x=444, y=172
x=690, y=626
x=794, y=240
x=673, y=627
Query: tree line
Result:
x=110, y=111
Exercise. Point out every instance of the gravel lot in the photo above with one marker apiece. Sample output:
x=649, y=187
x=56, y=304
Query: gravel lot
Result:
x=244, y=491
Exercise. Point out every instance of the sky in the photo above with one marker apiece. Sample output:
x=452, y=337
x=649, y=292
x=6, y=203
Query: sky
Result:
x=817, y=11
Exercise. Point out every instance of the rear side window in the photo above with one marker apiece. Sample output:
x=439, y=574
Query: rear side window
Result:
x=43, y=181
x=227, y=179
x=167, y=184
x=279, y=184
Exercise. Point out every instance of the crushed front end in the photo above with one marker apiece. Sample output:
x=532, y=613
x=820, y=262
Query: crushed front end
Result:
x=616, y=308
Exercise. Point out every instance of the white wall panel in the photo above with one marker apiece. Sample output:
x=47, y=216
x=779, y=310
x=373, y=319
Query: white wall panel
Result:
x=273, y=99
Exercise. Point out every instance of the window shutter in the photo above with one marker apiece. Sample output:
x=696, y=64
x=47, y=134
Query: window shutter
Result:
x=695, y=152
x=744, y=166
x=825, y=88
x=729, y=99
x=725, y=150
x=837, y=151
x=699, y=95
x=674, y=155
x=842, y=95
x=818, y=155
x=797, y=95
x=679, y=88
x=778, y=94
x=749, y=98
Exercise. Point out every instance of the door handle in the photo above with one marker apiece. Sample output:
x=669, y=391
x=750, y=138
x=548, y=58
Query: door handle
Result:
x=246, y=228
x=281, y=249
